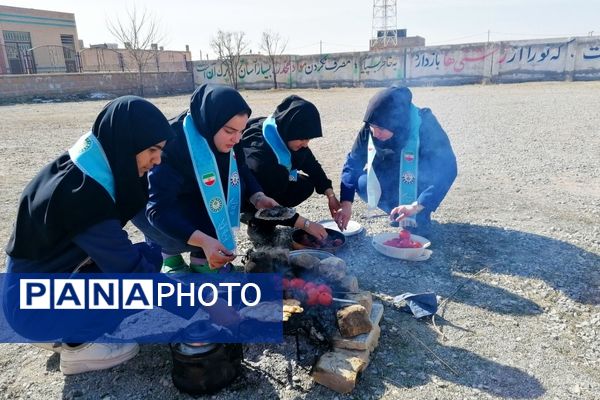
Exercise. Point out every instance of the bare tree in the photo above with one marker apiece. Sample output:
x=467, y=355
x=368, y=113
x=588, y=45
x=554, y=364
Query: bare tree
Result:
x=138, y=34
x=272, y=44
x=229, y=47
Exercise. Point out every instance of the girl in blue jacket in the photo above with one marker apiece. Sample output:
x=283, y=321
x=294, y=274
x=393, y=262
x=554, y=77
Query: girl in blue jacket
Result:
x=401, y=162
x=197, y=191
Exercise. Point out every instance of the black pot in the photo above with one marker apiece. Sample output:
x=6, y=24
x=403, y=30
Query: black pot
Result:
x=201, y=367
x=205, y=369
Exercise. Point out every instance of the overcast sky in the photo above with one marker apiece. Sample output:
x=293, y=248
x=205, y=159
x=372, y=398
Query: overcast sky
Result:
x=336, y=25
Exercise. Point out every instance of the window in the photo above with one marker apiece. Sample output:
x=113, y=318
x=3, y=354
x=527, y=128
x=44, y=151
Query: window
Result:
x=16, y=44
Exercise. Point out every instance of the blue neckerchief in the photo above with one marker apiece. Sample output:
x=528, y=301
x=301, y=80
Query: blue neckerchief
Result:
x=409, y=163
x=273, y=139
x=87, y=155
x=409, y=169
x=224, y=215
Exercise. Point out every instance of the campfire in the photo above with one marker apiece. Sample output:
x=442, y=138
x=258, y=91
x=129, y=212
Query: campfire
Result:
x=324, y=303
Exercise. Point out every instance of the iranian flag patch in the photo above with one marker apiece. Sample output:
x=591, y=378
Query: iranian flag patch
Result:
x=409, y=156
x=208, y=179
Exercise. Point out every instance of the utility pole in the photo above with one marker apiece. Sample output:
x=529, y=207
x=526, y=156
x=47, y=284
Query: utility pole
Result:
x=320, y=47
x=488, y=35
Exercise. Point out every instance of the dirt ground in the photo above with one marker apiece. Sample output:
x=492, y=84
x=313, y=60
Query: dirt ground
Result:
x=525, y=208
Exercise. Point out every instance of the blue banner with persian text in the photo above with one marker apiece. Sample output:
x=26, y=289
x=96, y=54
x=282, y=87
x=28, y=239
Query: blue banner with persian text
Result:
x=143, y=308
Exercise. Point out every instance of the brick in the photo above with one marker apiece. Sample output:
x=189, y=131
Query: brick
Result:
x=364, y=298
x=364, y=355
x=353, y=320
x=366, y=341
x=338, y=371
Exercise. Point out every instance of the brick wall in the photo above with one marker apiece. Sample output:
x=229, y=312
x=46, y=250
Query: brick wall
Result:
x=16, y=88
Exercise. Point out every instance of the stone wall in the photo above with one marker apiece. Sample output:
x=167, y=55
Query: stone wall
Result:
x=15, y=88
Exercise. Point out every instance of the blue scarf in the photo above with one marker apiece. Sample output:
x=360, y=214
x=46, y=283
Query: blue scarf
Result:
x=273, y=139
x=87, y=155
x=224, y=215
x=409, y=170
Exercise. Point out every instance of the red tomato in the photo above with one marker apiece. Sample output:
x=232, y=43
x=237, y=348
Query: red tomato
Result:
x=404, y=243
x=404, y=234
x=312, y=297
x=324, y=288
x=325, y=299
x=297, y=283
x=309, y=285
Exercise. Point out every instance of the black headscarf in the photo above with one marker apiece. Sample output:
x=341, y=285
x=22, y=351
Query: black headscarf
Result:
x=211, y=106
x=61, y=201
x=297, y=119
x=125, y=127
x=390, y=109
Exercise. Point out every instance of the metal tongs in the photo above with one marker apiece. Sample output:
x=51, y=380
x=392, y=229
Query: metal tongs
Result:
x=235, y=255
x=344, y=300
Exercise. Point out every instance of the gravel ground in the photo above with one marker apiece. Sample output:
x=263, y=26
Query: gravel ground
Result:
x=525, y=208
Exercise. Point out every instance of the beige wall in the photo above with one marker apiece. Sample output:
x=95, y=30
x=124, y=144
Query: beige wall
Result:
x=15, y=88
x=515, y=61
x=45, y=28
x=100, y=59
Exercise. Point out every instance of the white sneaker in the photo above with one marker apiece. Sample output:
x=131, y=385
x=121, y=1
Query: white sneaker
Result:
x=95, y=356
x=55, y=347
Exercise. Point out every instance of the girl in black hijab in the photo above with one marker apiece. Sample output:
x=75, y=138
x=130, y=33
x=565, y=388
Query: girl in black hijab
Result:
x=75, y=208
x=276, y=148
x=62, y=204
x=412, y=161
x=197, y=186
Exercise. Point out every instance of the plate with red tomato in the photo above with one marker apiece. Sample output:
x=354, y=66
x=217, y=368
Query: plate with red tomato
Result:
x=402, y=245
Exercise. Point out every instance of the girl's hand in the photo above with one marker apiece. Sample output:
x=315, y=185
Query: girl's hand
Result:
x=216, y=254
x=316, y=230
x=405, y=210
x=343, y=215
x=266, y=202
x=334, y=206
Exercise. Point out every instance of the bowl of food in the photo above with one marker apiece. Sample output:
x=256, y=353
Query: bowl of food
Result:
x=404, y=245
x=332, y=243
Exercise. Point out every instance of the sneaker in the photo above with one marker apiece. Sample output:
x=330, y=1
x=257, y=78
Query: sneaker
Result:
x=95, y=356
x=55, y=347
x=202, y=269
x=174, y=264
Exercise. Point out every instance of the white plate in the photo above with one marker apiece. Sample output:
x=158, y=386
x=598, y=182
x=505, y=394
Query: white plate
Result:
x=353, y=228
x=418, y=254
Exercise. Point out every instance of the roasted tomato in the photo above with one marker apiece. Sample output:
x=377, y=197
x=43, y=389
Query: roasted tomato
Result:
x=325, y=299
